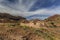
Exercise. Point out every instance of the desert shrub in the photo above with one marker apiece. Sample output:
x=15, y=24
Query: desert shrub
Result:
x=53, y=25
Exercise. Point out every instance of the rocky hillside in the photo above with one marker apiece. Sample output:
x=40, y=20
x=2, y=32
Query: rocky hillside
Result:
x=18, y=28
x=53, y=21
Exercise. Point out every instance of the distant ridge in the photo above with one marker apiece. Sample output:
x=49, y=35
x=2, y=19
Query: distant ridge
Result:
x=54, y=17
x=5, y=17
x=38, y=16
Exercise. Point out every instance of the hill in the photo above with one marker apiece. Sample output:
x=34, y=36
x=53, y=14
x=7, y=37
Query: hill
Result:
x=53, y=21
x=22, y=29
x=5, y=17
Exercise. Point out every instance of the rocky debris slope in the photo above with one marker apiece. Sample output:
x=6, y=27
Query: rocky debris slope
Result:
x=27, y=33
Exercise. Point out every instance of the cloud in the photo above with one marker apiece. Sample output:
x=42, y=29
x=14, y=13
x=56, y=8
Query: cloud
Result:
x=19, y=8
x=55, y=10
x=21, y=5
x=23, y=8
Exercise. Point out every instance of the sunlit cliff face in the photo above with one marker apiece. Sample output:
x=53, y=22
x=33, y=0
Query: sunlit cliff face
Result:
x=30, y=7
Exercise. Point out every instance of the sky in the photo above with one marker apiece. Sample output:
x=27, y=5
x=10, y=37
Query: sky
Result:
x=30, y=7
